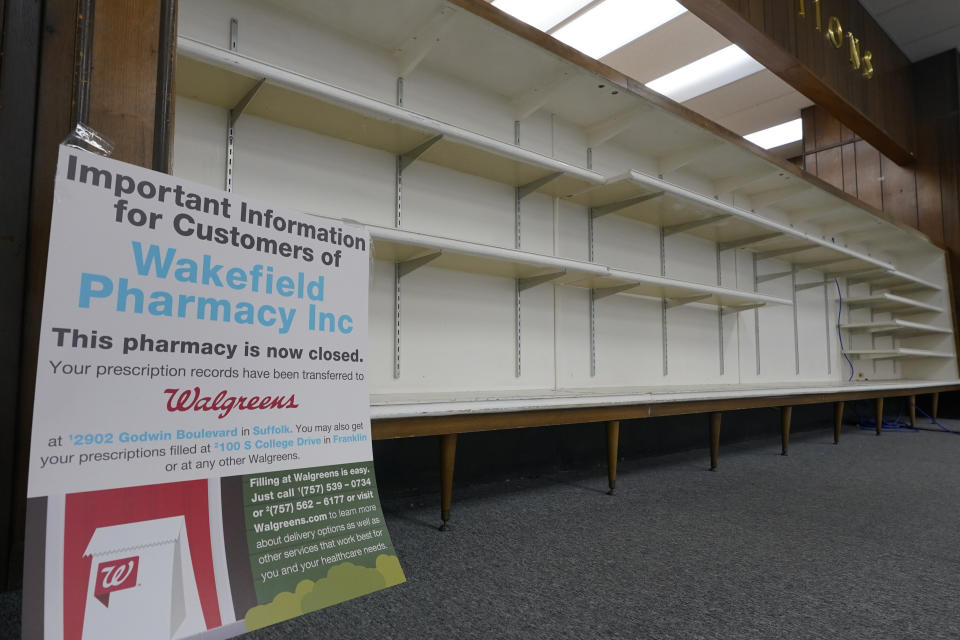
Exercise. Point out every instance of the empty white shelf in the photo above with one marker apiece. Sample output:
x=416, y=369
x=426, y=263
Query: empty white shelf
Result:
x=416, y=249
x=892, y=303
x=898, y=327
x=654, y=201
x=387, y=406
x=896, y=280
x=228, y=79
x=895, y=354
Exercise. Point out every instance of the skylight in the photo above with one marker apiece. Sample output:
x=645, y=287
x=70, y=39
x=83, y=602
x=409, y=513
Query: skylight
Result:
x=541, y=14
x=777, y=135
x=614, y=23
x=706, y=74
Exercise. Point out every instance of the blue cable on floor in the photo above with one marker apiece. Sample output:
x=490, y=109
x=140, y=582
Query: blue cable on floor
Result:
x=869, y=424
x=934, y=421
x=840, y=335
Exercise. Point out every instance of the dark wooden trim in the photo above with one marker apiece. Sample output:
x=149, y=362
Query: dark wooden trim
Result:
x=117, y=96
x=54, y=120
x=166, y=87
x=733, y=24
x=448, y=456
x=20, y=22
x=389, y=428
x=838, y=421
x=879, y=417
x=715, y=421
x=123, y=89
x=34, y=563
x=827, y=147
x=613, y=447
x=786, y=413
x=83, y=61
x=952, y=297
x=810, y=85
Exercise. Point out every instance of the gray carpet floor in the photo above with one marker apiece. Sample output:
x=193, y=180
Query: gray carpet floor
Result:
x=852, y=541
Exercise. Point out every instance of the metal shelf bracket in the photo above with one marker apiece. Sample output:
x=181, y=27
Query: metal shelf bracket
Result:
x=742, y=242
x=407, y=158
x=694, y=224
x=526, y=189
x=526, y=283
x=773, y=276
x=677, y=302
x=613, y=207
x=776, y=253
x=408, y=266
x=732, y=309
x=605, y=292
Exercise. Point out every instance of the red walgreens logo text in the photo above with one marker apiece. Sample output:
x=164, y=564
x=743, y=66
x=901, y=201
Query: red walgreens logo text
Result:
x=115, y=575
x=191, y=400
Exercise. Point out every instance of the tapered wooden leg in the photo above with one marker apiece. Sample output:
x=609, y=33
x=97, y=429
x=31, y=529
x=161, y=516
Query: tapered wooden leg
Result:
x=837, y=421
x=613, y=443
x=935, y=405
x=879, y=415
x=448, y=454
x=714, y=439
x=912, y=400
x=785, y=415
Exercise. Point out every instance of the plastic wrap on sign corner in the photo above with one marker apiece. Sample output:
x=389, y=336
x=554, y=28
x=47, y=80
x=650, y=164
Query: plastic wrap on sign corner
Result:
x=87, y=139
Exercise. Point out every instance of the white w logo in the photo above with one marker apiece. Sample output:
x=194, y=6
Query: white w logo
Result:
x=116, y=575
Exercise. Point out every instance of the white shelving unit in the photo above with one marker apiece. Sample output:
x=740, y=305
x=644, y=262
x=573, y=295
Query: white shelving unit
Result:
x=244, y=85
x=483, y=163
x=893, y=354
x=898, y=327
x=677, y=210
x=413, y=250
x=892, y=303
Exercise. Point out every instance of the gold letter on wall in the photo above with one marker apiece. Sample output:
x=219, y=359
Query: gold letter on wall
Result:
x=835, y=32
x=867, y=64
x=854, y=50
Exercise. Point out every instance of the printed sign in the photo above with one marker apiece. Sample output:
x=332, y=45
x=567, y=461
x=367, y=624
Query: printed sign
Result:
x=201, y=452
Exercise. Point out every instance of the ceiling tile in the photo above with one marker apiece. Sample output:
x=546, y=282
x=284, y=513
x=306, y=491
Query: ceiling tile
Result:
x=754, y=89
x=679, y=42
x=919, y=18
x=933, y=44
x=766, y=114
x=879, y=7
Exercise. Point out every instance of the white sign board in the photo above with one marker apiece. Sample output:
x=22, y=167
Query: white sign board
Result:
x=202, y=368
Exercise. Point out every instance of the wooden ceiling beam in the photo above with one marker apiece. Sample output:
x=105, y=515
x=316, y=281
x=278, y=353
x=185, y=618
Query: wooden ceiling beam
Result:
x=878, y=108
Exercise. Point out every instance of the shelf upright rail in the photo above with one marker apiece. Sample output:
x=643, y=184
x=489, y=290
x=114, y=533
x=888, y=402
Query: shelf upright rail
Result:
x=404, y=160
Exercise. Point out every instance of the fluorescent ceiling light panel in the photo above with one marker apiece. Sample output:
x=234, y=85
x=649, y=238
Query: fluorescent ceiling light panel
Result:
x=706, y=74
x=614, y=23
x=541, y=14
x=777, y=135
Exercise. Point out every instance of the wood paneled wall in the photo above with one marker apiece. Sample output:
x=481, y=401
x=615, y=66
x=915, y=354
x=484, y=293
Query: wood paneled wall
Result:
x=835, y=154
x=789, y=45
x=924, y=195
